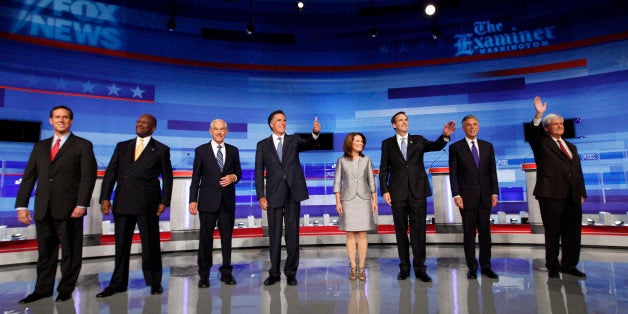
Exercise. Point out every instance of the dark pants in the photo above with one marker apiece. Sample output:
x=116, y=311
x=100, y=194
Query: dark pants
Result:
x=562, y=221
x=225, y=220
x=149, y=233
x=289, y=215
x=414, y=210
x=477, y=219
x=52, y=233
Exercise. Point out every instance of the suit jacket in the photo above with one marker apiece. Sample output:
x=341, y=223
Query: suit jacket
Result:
x=62, y=184
x=473, y=184
x=205, y=187
x=351, y=182
x=556, y=174
x=279, y=173
x=403, y=178
x=138, y=190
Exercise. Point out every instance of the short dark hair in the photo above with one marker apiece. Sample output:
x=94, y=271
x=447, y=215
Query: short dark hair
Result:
x=152, y=118
x=272, y=114
x=63, y=107
x=392, y=120
x=470, y=116
x=348, y=144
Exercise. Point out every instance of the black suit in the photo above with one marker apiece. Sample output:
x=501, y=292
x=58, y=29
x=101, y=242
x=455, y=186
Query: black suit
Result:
x=215, y=203
x=559, y=189
x=476, y=186
x=62, y=184
x=284, y=189
x=136, y=200
x=406, y=181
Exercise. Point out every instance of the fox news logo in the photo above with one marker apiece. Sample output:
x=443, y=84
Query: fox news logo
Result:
x=77, y=21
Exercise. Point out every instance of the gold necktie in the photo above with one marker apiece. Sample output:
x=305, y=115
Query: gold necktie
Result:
x=139, y=149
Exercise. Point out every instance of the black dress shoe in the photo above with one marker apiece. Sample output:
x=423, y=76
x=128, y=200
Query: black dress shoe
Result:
x=203, y=283
x=574, y=272
x=154, y=290
x=402, y=276
x=63, y=296
x=34, y=297
x=553, y=273
x=423, y=277
x=490, y=273
x=228, y=279
x=472, y=275
x=292, y=280
x=271, y=280
x=109, y=292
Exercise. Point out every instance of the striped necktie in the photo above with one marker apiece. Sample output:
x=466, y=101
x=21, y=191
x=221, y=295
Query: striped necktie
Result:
x=219, y=158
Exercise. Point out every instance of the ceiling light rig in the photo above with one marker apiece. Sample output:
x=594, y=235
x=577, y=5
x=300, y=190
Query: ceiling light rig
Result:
x=171, y=25
x=430, y=9
x=373, y=29
x=250, y=27
x=436, y=31
x=300, y=5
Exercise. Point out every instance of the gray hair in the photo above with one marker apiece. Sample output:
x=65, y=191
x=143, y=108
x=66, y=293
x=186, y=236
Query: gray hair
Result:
x=218, y=120
x=470, y=116
x=548, y=119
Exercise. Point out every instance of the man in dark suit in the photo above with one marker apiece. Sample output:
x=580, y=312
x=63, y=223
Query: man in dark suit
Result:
x=64, y=168
x=559, y=189
x=405, y=187
x=212, y=194
x=282, y=191
x=136, y=166
x=473, y=179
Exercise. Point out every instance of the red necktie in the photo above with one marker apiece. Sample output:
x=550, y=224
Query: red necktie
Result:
x=560, y=144
x=55, y=149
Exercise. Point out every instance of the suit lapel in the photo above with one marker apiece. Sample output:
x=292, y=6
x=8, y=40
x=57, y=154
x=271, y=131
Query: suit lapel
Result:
x=212, y=157
x=271, y=143
x=397, y=149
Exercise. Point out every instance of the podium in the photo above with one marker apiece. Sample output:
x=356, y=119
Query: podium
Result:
x=446, y=215
x=534, y=210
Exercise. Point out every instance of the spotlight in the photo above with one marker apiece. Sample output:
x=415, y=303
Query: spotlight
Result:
x=16, y=236
x=428, y=221
x=171, y=25
x=250, y=28
x=430, y=9
x=334, y=222
x=514, y=220
x=618, y=223
x=590, y=221
x=436, y=32
x=240, y=225
x=492, y=220
x=300, y=5
x=373, y=31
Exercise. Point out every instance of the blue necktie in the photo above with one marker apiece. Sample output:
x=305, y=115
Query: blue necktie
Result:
x=474, y=152
x=280, y=149
x=220, y=158
x=404, y=148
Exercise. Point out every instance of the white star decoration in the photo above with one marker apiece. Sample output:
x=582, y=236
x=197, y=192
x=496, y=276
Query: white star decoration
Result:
x=623, y=61
x=383, y=49
x=113, y=89
x=88, y=87
x=137, y=91
x=403, y=48
x=61, y=84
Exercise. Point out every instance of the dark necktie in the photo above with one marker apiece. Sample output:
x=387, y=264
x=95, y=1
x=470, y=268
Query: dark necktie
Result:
x=280, y=149
x=474, y=152
x=404, y=148
x=560, y=144
x=220, y=158
x=55, y=148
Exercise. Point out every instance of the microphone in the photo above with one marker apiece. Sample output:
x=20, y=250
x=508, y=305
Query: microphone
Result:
x=526, y=157
x=441, y=155
x=187, y=155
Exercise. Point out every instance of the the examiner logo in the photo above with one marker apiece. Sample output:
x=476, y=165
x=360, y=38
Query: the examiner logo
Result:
x=78, y=21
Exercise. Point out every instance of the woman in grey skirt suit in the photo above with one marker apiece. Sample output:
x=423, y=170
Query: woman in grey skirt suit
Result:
x=356, y=199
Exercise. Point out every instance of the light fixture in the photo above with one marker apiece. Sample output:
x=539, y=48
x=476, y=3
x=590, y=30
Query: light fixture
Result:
x=492, y=220
x=514, y=220
x=373, y=29
x=171, y=25
x=430, y=9
x=300, y=5
x=590, y=221
x=436, y=32
x=617, y=223
x=250, y=27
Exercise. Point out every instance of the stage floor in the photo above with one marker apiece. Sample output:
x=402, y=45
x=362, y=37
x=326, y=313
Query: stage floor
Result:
x=523, y=286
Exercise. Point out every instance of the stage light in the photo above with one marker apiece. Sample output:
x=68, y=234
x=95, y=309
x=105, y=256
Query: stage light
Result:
x=250, y=28
x=430, y=9
x=618, y=223
x=492, y=220
x=373, y=31
x=514, y=220
x=436, y=32
x=590, y=221
x=171, y=25
x=428, y=221
x=300, y=5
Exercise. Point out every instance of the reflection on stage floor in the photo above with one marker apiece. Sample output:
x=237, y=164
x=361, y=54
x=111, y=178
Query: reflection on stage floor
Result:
x=324, y=286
